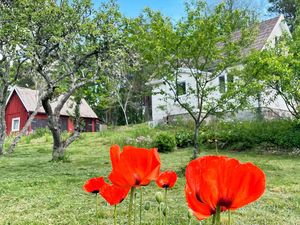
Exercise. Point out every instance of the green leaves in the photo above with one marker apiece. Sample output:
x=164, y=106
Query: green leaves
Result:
x=278, y=69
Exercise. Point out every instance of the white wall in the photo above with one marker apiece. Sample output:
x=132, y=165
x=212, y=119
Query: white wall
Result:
x=169, y=106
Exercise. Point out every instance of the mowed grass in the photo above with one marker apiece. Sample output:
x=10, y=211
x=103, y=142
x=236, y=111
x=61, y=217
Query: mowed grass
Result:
x=34, y=190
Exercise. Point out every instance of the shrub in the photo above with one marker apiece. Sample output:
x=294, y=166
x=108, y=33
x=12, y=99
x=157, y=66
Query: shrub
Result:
x=40, y=132
x=248, y=134
x=184, y=138
x=165, y=142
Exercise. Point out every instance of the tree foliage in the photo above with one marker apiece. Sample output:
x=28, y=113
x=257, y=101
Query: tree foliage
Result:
x=289, y=8
x=278, y=70
x=207, y=44
x=13, y=61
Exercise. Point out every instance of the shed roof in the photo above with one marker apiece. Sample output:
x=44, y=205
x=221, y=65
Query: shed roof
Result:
x=29, y=99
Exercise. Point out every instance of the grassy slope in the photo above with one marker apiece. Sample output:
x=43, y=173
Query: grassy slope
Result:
x=36, y=191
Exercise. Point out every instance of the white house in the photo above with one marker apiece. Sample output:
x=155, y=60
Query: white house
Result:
x=163, y=107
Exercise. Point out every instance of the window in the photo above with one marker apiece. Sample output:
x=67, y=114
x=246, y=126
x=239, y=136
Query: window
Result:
x=181, y=88
x=222, y=84
x=15, y=124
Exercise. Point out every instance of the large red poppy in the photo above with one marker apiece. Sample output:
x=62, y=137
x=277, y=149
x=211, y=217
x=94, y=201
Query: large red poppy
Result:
x=113, y=194
x=133, y=166
x=93, y=185
x=166, y=179
x=213, y=181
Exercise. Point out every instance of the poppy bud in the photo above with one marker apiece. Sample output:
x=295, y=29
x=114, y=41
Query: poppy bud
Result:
x=147, y=206
x=165, y=210
x=190, y=214
x=161, y=206
x=159, y=197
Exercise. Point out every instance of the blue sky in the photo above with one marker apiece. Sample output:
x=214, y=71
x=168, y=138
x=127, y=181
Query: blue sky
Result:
x=175, y=8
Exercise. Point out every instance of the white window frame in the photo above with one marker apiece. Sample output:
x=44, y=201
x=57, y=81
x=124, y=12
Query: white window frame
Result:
x=12, y=124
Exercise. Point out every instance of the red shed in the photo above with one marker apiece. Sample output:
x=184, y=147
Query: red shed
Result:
x=23, y=101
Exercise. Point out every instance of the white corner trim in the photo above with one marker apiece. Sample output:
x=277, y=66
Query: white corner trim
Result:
x=279, y=21
x=12, y=124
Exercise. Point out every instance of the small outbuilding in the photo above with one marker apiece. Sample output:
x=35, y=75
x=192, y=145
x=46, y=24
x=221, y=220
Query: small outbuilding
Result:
x=22, y=102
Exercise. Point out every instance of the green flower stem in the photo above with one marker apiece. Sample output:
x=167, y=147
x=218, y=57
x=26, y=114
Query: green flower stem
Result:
x=166, y=215
x=134, y=209
x=115, y=215
x=130, y=205
x=141, y=204
x=159, y=207
x=216, y=220
x=229, y=217
x=97, y=220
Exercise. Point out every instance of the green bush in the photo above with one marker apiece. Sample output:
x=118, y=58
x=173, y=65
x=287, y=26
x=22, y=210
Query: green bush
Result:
x=184, y=138
x=243, y=135
x=165, y=142
x=40, y=132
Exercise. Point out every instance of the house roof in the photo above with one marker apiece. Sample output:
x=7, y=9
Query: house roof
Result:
x=265, y=29
x=29, y=99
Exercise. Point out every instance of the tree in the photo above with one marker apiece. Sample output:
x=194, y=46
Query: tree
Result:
x=207, y=45
x=69, y=47
x=124, y=89
x=13, y=61
x=277, y=70
x=127, y=76
x=288, y=8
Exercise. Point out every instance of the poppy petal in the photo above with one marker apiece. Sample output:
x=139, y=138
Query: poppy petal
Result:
x=253, y=181
x=93, y=185
x=166, y=179
x=135, y=167
x=115, y=155
x=200, y=209
x=113, y=194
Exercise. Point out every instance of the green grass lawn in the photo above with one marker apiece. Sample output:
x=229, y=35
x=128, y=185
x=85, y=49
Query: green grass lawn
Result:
x=34, y=190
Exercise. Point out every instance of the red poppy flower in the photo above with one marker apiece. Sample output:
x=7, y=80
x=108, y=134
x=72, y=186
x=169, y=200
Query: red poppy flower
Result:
x=113, y=194
x=213, y=181
x=166, y=179
x=93, y=185
x=133, y=166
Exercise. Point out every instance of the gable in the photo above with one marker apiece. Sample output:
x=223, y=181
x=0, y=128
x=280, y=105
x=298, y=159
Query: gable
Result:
x=15, y=105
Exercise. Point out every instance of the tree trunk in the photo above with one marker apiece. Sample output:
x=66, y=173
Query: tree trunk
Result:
x=125, y=115
x=58, y=148
x=54, y=126
x=2, y=128
x=196, y=141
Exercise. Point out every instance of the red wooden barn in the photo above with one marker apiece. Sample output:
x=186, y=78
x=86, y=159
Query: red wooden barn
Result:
x=23, y=101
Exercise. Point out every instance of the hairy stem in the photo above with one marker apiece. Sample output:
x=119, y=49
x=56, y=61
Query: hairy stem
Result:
x=141, y=204
x=130, y=205
x=166, y=215
x=115, y=215
x=97, y=221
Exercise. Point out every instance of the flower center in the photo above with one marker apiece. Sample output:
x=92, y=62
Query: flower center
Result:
x=137, y=179
x=224, y=202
